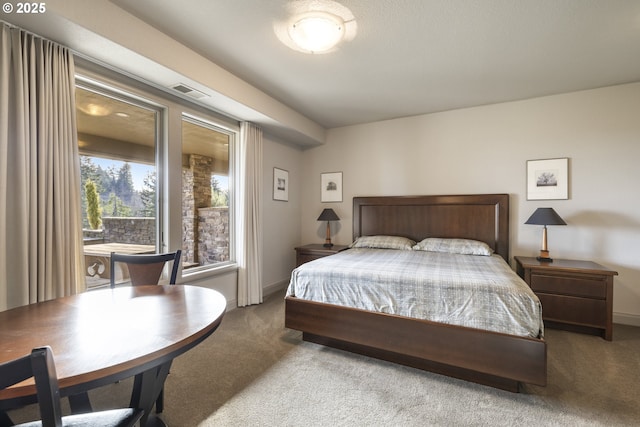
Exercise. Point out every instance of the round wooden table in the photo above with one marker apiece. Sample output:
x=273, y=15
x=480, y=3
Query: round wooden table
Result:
x=103, y=336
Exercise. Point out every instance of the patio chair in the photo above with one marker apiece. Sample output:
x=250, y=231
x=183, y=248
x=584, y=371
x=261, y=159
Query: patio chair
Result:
x=145, y=269
x=40, y=365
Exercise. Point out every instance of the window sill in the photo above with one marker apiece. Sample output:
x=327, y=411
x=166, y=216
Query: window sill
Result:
x=206, y=272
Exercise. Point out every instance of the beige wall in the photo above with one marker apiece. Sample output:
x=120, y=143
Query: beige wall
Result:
x=281, y=231
x=484, y=150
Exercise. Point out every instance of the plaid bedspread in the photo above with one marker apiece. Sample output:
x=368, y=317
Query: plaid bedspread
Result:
x=480, y=292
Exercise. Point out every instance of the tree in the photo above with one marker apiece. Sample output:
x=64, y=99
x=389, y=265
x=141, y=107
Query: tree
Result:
x=148, y=195
x=89, y=171
x=124, y=183
x=215, y=184
x=219, y=197
x=93, y=205
x=100, y=177
x=116, y=207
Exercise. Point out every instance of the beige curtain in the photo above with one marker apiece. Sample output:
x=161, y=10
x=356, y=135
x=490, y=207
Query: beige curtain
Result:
x=40, y=218
x=250, y=221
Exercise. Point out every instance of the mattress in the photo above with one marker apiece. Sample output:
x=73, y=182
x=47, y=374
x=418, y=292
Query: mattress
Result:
x=480, y=292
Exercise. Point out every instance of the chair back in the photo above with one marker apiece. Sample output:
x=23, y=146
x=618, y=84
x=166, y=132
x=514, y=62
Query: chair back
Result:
x=145, y=269
x=39, y=364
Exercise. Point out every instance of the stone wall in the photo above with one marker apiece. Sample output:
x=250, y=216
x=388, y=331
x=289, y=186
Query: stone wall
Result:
x=189, y=218
x=213, y=235
x=129, y=230
x=92, y=237
x=205, y=229
x=202, y=168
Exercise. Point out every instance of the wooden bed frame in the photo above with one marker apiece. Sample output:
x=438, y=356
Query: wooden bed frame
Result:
x=498, y=360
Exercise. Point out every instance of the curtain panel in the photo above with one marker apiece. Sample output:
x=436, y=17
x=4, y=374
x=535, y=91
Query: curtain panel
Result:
x=250, y=217
x=41, y=252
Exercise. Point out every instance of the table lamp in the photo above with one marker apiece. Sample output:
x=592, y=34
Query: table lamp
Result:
x=545, y=216
x=328, y=215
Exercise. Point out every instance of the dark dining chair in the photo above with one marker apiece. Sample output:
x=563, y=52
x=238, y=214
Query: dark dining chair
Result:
x=40, y=365
x=145, y=269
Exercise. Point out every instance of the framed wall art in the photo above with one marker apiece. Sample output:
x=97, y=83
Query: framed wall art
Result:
x=331, y=187
x=280, y=185
x=548, y=179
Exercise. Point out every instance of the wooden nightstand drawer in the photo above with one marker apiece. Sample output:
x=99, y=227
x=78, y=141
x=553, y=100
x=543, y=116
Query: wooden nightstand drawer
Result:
x=579, y=311
x=575, y=295
x=589, y=287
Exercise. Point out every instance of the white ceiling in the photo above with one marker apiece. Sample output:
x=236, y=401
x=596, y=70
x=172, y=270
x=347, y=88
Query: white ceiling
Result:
x=412, y=57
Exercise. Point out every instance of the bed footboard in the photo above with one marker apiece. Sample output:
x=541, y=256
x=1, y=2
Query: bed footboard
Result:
x=498, y=360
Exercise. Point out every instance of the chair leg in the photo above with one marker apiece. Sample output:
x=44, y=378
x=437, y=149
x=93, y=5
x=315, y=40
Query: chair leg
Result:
x=5, y=421
x=160, y=402
x=80, y=403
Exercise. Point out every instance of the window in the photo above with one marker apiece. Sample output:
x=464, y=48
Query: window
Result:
x=138, y=147
x=206, y=221
x=117, y=141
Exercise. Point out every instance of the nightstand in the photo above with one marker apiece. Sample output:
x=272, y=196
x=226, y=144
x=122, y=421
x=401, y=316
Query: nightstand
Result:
x=575, y=295
x=308, y=253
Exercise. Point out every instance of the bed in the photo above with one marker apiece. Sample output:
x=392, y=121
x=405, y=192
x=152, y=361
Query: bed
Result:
x=498, y=358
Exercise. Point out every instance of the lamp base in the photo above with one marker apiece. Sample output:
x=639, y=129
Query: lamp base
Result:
x=327, y=241
x=544, y=255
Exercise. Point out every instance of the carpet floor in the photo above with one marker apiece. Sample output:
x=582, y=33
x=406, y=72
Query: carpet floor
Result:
x=254, y=372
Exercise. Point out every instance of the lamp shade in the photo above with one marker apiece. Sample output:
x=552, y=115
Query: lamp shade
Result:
x=328, y=215
x=545, y=216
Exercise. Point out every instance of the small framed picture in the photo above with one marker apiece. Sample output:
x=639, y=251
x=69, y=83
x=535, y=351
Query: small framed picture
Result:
x=331, y=187
x=548, y=179
x=280, y=185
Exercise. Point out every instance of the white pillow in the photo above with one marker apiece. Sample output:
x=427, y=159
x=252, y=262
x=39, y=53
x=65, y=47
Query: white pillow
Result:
x=384, y=242
x=454, y=246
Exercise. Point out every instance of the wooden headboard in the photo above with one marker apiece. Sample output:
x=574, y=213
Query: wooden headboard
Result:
x=483, y=217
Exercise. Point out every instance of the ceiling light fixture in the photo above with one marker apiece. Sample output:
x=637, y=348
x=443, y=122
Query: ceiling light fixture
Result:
x=317, y=32
x=94, y=109
x=315, y=26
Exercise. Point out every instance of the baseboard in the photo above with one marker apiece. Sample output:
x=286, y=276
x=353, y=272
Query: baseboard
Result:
x=626, y=319
x=232, y=304
x=275, y=287
x=266, y=291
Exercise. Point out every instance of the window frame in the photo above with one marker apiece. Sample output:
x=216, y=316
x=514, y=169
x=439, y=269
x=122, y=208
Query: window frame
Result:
x=123, y=95
x=233, y=134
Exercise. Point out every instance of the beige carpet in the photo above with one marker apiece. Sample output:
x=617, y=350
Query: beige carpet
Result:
x=253, y=372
